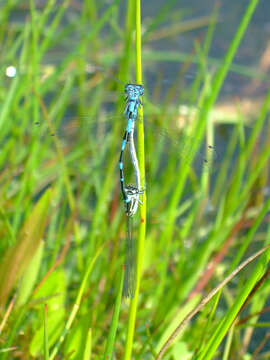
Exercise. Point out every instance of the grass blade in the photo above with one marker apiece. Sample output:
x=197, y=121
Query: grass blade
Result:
x=46, y=342
x=18, y=257
x=114, y=323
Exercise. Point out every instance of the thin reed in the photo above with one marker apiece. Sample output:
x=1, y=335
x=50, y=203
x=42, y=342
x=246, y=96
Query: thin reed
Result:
x=142, y=224
x=202, y=232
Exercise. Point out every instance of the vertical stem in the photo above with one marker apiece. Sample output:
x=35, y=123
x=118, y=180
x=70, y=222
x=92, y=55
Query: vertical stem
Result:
x=166, y=236
x=142, y=226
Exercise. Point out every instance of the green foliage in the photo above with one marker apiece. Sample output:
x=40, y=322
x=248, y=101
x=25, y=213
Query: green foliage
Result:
x=76, y=345
x=20, y=256
x=29, y=277
x=62, y=221
x=53, y=292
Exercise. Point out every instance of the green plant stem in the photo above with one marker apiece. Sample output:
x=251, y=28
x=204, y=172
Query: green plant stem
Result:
x=264, y=251
x=77, y=304
x=142, y=226
x=228, y=319
x=114, y=323
x=46, y=341
x=166, y=236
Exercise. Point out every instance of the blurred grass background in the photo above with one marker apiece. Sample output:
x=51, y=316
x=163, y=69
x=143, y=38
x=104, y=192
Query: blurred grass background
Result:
x=62, y=218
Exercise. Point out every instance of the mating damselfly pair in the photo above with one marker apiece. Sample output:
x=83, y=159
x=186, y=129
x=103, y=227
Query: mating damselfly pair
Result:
x=131, y=194
x=99, y=133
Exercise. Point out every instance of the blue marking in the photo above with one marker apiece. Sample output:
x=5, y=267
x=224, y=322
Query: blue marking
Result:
x=129, y=125
x=121, y=165
x=132, y=105
x=127, y=200
x=122, y=179
x=123, y=144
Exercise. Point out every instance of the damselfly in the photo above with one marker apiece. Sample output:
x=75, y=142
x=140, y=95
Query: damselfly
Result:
x=133, y=94
x=130, y=193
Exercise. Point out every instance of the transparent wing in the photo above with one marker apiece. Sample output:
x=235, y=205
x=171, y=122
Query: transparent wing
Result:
x=169, y=129
x=130, y=261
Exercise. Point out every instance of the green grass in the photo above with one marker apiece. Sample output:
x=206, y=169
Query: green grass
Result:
x=61, y=212
x=142, y=225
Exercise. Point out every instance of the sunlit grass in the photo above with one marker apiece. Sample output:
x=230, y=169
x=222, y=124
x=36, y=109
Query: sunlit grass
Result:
x=62, y=249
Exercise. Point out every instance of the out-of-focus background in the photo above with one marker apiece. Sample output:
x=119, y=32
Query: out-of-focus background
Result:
x=63, y=67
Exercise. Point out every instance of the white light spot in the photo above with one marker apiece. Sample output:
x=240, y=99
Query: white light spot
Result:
x=11, y=71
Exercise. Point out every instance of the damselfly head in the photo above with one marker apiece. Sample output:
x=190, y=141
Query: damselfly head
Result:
x=134, y=90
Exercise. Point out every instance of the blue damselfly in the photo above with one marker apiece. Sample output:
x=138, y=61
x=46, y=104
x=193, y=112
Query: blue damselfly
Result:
x=130, y=193
x=133, y=94
x=97, y=131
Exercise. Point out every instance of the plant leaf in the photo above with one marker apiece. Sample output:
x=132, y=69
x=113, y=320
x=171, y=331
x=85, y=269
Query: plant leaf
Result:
x=18, y=257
